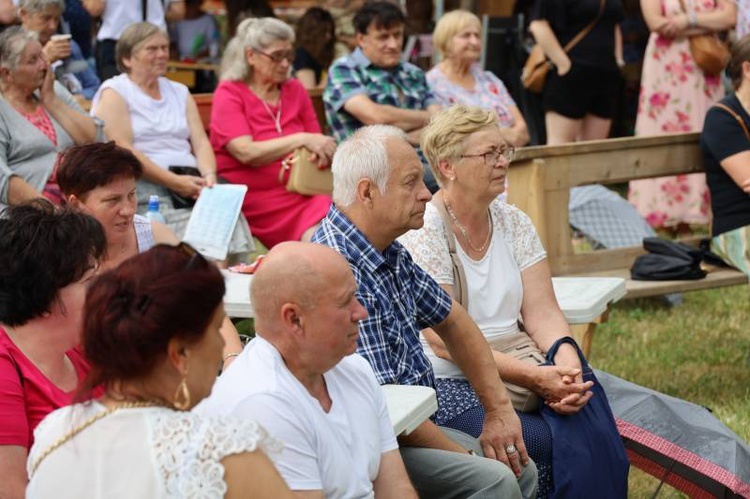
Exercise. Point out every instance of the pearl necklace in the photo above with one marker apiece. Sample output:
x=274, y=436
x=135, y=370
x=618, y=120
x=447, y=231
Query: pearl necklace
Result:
x=465, y=233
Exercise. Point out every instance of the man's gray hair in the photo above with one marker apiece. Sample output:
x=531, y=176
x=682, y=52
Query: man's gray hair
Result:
x=255, y=33
x=40, y=5
x=363, y=155
x=12, y=43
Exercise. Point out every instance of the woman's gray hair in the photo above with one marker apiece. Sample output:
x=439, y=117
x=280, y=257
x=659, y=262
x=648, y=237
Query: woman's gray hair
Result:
x=132, y=39
x=255, y=33
x=12, y=42
x=363, y=155
x=40, y=5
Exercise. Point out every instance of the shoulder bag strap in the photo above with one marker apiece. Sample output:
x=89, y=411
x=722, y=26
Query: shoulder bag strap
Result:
x=736, y=116
x=585, y=31
x=458, y=274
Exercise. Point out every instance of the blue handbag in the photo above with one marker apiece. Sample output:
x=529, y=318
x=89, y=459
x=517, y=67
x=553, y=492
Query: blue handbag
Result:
x=588, y=455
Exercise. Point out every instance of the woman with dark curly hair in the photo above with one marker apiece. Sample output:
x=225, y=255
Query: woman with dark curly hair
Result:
x=316, y=40
x=47, y=256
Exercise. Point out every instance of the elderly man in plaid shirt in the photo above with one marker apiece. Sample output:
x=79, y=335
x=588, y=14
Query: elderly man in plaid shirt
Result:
x=378, y=195
x=372, y=86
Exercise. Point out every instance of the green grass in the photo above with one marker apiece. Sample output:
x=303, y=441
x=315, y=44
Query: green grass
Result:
x=699, y=351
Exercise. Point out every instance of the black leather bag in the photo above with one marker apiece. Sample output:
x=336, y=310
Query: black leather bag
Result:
x=667, y=261
x=181, y=202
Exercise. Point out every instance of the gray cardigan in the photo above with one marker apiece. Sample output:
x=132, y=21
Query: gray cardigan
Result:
x=25, y=151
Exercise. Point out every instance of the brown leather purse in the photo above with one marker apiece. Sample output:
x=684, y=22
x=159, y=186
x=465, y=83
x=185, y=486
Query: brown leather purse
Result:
x=304, y=176
x=709, y=52
x=534, y=74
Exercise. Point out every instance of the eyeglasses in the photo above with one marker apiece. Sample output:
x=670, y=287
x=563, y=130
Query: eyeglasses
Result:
x=279, y=56
x=491, y=158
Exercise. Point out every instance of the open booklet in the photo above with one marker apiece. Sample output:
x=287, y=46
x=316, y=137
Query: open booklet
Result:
x=214, y=217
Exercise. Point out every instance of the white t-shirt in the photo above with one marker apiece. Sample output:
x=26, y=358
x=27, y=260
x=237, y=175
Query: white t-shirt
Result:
x=495, y=288
x=337, y=452
x=144, y=452
x=160, y=127
x=119, y=14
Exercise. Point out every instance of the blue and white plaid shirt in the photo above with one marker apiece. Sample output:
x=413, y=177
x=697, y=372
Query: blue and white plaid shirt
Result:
x=404, y=86
x=400, y=298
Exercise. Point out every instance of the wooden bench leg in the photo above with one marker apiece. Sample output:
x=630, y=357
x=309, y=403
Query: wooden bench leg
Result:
x=584, y=335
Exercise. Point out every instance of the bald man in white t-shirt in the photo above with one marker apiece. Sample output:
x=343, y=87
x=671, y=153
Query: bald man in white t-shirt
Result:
x=302, y=381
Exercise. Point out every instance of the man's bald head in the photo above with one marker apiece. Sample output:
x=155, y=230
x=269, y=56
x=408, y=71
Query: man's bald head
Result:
x=292, y=272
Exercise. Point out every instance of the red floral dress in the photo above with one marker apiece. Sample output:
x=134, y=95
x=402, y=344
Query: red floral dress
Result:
x=675, y=96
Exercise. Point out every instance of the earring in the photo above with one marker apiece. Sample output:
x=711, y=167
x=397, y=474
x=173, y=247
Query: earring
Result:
x=181, y=400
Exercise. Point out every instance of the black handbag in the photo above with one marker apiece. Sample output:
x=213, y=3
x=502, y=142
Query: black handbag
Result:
x=667, y=261
x=181, y=202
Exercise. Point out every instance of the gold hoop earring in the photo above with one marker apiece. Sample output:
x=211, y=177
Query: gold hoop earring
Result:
x=181, y=400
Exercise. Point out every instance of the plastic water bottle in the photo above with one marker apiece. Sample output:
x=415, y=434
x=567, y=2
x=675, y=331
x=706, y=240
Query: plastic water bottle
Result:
x=153, y=212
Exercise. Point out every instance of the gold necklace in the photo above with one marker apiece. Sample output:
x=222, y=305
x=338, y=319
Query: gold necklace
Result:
x=75, y=431
x=465, y=233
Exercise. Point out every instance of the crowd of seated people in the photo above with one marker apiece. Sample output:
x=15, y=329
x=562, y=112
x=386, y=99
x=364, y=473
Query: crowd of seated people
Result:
x=123, y=326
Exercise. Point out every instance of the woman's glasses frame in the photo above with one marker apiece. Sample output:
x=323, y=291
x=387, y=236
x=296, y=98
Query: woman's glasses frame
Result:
x=491, y=158
x=279, y=56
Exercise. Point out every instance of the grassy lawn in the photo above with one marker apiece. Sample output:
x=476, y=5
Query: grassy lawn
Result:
x=699, y=351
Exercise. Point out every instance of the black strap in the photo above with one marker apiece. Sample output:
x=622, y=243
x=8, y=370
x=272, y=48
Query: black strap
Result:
x=144, y=10
x=585, y=31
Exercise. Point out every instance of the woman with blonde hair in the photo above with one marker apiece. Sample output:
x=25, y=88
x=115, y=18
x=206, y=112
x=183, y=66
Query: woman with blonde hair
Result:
x=459, y=79
x=259, y=118
x=507, y=279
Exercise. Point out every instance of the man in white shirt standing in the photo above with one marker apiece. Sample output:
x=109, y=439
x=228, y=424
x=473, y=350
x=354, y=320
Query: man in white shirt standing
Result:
x=302, y=381
x=119, y=14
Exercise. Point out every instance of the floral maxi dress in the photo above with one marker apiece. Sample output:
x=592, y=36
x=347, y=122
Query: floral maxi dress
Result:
x=675, y=96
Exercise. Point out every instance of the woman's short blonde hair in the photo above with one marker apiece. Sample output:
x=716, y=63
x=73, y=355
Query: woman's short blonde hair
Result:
x=445, y=135
x=132, y=39
x=449, y=26
x=255, y=33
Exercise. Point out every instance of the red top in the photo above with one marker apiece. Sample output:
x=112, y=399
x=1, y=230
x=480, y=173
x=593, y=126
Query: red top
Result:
x=26, y=395
x=274, y=214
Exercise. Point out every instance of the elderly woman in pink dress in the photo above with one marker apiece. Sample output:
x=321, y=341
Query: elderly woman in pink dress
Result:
x=259, y=117
x=675, y=96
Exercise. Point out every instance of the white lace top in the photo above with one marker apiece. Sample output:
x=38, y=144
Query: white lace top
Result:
x=495, y=289
x=140, y=452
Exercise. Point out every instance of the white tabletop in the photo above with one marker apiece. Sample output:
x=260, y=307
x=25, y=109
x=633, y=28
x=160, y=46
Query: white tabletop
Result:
x=582, y=299
x=237, y=297
x=409, y=406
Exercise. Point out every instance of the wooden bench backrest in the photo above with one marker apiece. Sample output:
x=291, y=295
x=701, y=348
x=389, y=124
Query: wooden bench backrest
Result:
x=540, y=179
x=205, y=101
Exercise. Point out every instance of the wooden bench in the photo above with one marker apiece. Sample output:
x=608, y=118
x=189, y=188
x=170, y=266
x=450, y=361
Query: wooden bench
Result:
x=540, y=180
x=205, y=102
